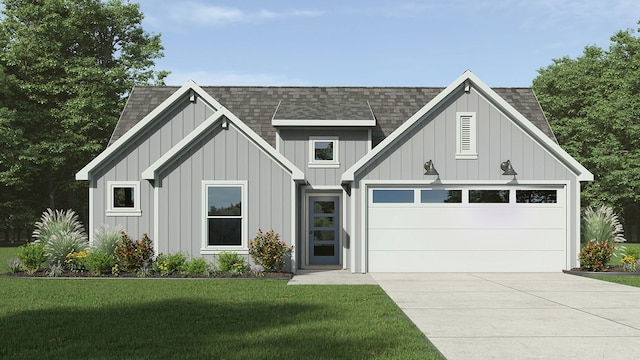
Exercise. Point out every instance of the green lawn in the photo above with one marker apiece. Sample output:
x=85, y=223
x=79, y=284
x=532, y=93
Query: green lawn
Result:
x=625, y=280
x=197, y=319
x=616, y=260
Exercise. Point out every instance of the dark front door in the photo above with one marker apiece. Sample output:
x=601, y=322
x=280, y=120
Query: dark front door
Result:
x=324, y=233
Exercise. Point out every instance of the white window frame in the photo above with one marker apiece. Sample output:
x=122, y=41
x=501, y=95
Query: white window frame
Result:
x=121, y=211
x=243, y=248
x=466, y=136
x=323, y=163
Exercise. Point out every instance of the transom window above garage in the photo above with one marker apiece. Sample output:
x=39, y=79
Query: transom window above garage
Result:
x=495, y=196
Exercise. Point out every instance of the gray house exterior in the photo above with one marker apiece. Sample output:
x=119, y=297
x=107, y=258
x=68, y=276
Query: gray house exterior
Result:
x=341, y=174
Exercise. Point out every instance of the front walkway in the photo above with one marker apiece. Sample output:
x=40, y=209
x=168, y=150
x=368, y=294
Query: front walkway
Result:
x=471, y=316
x=330, y=277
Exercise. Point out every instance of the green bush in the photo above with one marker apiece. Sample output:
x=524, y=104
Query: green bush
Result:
x=133, y=255
x=635, y=252
x=595, y=255
x=61, y=233
x=197, y=266
x=267, y=250
x=230, y=260
x=106, y=238
x=170, y=263
x=75, y=261
x=31, y=256
x=98, y=262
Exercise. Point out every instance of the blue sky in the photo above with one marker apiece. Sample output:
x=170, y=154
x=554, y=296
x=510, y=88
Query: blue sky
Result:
x=376, y=43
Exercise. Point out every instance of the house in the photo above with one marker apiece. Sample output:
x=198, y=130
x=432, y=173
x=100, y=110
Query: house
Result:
x=463, y=178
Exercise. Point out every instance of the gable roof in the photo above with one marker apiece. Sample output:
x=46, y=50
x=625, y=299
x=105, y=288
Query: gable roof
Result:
x=167, y=102
x=258, y=106
x=469, y=79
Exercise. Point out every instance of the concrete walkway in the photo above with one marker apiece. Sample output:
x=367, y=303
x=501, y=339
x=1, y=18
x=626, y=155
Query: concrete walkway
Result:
x=520, y=316
x=330, y=277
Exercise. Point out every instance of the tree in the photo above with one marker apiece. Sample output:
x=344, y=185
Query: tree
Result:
x=67, y=66
x=593, y=105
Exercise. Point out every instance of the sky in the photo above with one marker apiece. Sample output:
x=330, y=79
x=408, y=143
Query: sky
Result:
x=374, y=42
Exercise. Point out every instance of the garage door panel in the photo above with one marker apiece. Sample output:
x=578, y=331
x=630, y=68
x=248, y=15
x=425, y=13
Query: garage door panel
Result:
x=470, y=239
x=466, y=217
x=465, y=261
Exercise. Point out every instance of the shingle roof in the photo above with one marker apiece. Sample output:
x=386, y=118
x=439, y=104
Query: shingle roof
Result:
x=257, y=106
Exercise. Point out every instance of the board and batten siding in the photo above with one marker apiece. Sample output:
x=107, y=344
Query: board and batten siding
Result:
x=221, y=155
x=434, y=138
x=129, y=163
x=352, y=146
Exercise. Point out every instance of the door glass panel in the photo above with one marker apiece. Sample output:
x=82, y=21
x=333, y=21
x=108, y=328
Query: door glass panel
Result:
x=324, y=235
x=324, y=207
x=323, y=250
x=393, y=196
x=326, y=221
x=440, y=196
x=536, y=196
x=488, y=196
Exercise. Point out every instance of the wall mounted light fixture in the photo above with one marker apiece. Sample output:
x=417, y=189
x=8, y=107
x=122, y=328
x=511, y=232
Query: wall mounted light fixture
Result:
x=430, y=170
x=507, y=168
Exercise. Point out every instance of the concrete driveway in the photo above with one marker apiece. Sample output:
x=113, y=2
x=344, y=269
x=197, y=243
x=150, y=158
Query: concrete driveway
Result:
x=520, y=316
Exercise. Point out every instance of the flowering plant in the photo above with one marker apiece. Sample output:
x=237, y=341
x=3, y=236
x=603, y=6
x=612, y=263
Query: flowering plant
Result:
x=75, y=261
x=132, y=255
x=267, y=250
x=629, y=263
x=595, y=255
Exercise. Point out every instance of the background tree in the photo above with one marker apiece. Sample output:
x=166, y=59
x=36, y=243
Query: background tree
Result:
x=66, y=68
x=593, y=105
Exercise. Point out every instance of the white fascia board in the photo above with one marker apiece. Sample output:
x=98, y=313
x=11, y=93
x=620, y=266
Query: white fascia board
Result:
x=349, y=175
x=580, y=171
x=151, y=172
x=324, y=123
x=83, y=174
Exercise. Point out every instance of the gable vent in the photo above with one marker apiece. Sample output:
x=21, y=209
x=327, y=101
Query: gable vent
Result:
x=466, y=135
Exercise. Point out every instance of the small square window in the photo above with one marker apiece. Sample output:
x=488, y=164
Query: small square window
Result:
x=123, y=198
x=323, y=151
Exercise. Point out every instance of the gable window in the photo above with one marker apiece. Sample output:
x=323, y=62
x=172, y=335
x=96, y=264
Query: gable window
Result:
x=466, y=136
x=224, y=216
x=124, y=198
x=323, y=151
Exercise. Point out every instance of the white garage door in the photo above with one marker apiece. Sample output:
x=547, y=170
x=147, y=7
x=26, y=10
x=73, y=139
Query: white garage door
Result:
x=482, y=229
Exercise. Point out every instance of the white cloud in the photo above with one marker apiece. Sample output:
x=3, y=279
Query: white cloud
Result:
x=205, y=14
x=231, y=78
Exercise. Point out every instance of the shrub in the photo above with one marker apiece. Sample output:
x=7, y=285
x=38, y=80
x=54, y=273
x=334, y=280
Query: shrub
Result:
x=629, y=263
x=55, y=270
x=595, y=255
x=228, y=260
x=635, y=252
x=132, y=255
x=197, y=266
x=14, y=265
x=61, y=233
x=31, y=256
x=267, y=250
x=602, y=224
x=98, y=262
x=170, y=263
x=75, y=261
x=106, y=238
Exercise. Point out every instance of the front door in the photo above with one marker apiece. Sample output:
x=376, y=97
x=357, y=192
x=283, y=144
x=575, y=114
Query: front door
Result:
x=324, y=233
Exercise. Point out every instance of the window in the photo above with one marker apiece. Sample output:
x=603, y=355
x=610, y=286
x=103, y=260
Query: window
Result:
x=537, y=196
x=488, y=196
x=440, y=196
x=124, y=198
x=323, y=151
x=225, y=220
x=393, y=196
x=466, y=136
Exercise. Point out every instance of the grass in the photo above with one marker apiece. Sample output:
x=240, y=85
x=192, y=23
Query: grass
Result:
x=195, y=319
x=624, y=280
x=616, y=260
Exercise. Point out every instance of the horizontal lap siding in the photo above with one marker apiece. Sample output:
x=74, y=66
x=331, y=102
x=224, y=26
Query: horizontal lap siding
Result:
x=129, y=164
x=222, y=155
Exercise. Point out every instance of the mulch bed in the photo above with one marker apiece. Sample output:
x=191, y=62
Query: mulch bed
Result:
x=221, y=275
x=611, y=271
